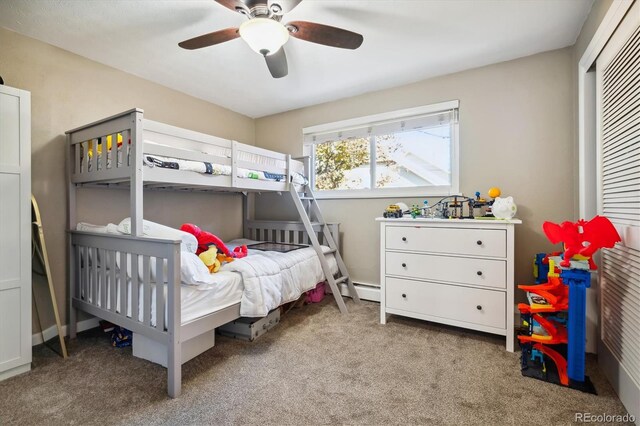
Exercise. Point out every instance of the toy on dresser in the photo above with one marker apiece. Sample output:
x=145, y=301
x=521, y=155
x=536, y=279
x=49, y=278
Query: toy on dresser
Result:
x=458, y=207
x=554, y=320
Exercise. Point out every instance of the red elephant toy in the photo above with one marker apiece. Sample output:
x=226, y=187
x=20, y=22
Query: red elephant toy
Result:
x=206, y=239
x=597, y=233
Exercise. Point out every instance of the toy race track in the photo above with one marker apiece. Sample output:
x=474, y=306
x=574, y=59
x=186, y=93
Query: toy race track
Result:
x=554, y=334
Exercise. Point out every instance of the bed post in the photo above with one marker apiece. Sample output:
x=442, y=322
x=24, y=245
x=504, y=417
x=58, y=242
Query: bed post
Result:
x=289, y=174
x=136, y=148
x=71, y=216
x=306, y=161
x=234, y=163
x=247, y=213
x=174, y=322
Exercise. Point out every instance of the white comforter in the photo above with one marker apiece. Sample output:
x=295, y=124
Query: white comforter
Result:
x=271, y=279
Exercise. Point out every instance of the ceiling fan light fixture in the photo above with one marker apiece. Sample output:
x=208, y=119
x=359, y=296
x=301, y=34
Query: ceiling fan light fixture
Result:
x=264, y=35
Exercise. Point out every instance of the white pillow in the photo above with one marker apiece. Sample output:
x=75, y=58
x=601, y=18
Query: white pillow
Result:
x=88, y=227
x=193, y=270
x=155, y=230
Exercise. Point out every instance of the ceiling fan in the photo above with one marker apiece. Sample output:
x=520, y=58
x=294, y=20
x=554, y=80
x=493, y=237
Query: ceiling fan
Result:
x=266, y=34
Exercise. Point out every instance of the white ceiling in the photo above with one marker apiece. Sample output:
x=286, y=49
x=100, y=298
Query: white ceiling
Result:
x=404, y=42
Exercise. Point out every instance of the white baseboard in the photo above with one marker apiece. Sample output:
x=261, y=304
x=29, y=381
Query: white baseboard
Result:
x=51, y=332
x=625, y=386
x=365, y=291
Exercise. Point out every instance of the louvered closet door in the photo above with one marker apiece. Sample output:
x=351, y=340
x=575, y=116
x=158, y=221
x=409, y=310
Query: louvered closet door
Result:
x=618, y=79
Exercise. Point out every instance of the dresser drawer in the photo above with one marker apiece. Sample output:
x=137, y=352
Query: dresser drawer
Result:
x=464, y=270
x=472, y=242
x=471, y=305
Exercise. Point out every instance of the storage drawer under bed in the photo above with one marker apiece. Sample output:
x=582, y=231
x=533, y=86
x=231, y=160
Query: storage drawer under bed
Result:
x=469, y=305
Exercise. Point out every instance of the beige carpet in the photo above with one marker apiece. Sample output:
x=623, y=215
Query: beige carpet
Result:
x=316, y=367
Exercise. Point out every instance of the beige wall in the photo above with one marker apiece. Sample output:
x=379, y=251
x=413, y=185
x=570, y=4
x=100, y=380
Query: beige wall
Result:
x=68, y=91
x=589, y=28
x=516, y=132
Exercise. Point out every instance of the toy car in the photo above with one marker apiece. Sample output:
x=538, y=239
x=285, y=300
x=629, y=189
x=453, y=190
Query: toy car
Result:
x=393, y=210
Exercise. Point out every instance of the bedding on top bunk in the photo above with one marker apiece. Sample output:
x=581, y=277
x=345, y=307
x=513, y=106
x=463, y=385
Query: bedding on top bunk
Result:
x=202, y=167
x=261, y=282
x=217, y=169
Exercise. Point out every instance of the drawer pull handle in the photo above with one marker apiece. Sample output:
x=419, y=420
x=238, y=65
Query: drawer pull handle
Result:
x=479, y=242
x=404, y=295
x=404, y=238
x=404, y=265
x=479, y=307
x=479, y=273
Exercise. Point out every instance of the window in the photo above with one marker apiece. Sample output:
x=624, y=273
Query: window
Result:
x=403, y=153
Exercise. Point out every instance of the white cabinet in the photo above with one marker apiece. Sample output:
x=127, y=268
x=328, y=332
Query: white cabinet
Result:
x=15, y=231
x=456, y=272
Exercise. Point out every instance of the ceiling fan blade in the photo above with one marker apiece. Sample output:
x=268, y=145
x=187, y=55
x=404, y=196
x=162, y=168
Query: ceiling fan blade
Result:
x=235, y=5
x=277, y=64
x=210, y=39
x=280, y=7
x=325, y=34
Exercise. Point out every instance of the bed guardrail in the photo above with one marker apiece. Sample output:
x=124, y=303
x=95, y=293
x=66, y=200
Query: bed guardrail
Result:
x=287, y=231
x=107, y=269
x=103, y=150
x=110, y=151
x=120, y=278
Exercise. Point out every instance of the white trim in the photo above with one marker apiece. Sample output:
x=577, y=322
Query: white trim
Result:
x=398, y=115
x=609, y=23
x=391, y=115
x=369, y=292
x=51, y=332
x=586, y=111
x=15, y=371
x=454, y=188
x=415, y=191
x=627, y=389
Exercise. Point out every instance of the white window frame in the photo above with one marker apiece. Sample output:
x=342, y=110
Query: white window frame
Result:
x=417, y=191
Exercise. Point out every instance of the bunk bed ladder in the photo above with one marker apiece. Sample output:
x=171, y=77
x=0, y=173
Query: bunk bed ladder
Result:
x=308, y=209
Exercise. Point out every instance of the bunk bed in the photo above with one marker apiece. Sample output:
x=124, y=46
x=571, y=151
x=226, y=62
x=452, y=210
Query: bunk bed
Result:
x=128, y=151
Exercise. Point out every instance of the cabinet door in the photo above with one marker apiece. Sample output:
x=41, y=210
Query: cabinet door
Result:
x=15, y=230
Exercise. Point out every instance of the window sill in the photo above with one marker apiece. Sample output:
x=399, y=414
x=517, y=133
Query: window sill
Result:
x=421, y=192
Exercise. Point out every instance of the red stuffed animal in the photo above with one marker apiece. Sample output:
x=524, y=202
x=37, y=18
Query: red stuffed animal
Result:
x=206, y=239
x=582, y=237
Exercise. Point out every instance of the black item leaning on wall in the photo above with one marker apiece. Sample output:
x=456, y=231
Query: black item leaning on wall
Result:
x=1, y=80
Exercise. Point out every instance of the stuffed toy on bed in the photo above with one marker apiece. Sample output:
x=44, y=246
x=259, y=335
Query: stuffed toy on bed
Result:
x=207, y=239
x=210, y=259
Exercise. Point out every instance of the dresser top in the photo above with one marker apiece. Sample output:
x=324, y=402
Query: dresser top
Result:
x=408, y=219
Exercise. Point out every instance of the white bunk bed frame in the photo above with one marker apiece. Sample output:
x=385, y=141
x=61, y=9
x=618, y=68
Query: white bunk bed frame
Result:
x=93, y=257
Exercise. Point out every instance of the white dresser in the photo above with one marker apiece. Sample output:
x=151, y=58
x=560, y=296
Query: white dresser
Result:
x=15, y=231
x=458, y=272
